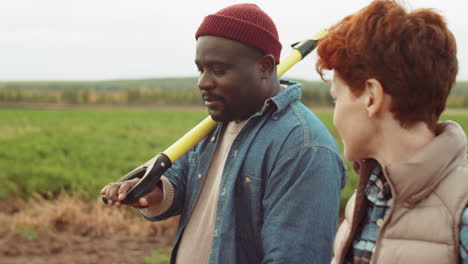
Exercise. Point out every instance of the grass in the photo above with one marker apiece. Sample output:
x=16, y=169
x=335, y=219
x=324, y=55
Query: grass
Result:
x=66, y=156
x=28, y=232
x=69, y=215
x=159, y=256
x=46, y=151
x=81, y=150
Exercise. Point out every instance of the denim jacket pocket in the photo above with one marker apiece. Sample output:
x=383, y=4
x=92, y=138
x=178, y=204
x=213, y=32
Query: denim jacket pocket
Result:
x=248, y=183
x=249, y=197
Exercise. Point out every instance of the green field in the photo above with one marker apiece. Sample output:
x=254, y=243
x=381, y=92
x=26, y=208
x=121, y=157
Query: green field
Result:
x=45, y=151
x=81, y=150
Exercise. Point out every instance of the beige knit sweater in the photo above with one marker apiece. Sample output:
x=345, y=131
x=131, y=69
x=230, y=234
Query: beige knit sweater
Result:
x=196, y=242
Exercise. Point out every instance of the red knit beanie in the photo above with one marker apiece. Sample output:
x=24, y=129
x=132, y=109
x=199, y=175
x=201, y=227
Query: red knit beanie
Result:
x=246, y=23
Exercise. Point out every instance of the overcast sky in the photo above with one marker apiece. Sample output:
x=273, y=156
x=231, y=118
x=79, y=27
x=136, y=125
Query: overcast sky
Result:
x=127, y=39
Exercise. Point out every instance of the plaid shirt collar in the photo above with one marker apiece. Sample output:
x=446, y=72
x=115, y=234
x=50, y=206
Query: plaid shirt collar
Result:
x=379, y=196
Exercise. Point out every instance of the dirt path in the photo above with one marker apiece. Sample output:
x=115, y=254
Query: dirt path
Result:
x=82, y=250
x=68, y=230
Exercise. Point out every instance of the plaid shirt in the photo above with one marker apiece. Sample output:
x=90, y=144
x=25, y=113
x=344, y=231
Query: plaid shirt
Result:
x=379, y=194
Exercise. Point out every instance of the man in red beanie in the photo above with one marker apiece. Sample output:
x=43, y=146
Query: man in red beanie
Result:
x=264, y=187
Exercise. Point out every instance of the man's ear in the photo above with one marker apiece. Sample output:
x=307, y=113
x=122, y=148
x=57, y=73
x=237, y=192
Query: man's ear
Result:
x=375, y=99
x=266, y=65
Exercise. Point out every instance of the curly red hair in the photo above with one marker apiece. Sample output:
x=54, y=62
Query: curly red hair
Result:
x=413, y=56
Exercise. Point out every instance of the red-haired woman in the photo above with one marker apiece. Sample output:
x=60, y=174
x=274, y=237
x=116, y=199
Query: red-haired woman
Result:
x=393, y=71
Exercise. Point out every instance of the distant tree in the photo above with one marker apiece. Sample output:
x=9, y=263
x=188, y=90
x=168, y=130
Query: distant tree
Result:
x=70, y=96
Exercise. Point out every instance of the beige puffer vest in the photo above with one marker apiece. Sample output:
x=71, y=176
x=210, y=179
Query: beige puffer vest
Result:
x=429, y=192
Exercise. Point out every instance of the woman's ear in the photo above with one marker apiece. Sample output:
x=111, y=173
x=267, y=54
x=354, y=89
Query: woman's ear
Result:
x=267, y=65
x=375, y=97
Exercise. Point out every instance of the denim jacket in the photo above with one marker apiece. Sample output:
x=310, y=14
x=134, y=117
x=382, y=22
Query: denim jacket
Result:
x=280, y=190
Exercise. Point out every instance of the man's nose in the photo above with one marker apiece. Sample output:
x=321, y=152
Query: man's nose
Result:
x=205, y=81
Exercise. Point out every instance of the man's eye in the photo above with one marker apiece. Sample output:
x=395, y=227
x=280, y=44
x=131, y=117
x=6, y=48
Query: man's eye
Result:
x=219, y=71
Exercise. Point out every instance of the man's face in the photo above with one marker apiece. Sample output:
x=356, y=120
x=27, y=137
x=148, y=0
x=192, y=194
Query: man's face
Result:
x=229, y=78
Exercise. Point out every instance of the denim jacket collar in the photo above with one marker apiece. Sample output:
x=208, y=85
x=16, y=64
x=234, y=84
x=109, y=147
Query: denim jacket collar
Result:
x=274, y=168
x=284, y=98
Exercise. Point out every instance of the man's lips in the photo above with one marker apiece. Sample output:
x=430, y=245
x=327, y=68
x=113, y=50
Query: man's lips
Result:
x=212, y=100
x=212, y=103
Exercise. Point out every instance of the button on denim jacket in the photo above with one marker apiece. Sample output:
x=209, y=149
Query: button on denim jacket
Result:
x=280, y=190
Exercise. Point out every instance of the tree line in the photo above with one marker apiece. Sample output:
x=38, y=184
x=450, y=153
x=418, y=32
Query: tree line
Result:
x=164, y=91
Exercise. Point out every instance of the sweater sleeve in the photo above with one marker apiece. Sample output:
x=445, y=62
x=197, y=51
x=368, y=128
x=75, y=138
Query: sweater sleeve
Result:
x=174, y=187
x=168, y=198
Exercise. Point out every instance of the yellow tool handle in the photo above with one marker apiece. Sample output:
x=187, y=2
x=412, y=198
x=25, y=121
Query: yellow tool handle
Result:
x=195, y=135
x=151, y=171
x=184, y=144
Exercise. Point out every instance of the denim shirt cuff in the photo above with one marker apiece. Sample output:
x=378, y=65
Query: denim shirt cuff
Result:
x=168, y=199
